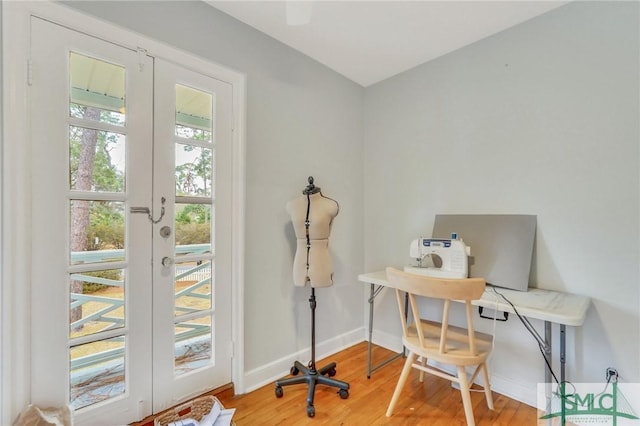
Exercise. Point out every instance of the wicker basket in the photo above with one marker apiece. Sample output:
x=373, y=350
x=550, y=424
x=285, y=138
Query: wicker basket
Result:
x=195, y=409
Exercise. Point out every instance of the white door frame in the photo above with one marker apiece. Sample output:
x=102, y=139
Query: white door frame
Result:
x=15, y=278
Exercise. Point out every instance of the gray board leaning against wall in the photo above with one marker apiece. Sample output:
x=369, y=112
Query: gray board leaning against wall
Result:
x=501, y=245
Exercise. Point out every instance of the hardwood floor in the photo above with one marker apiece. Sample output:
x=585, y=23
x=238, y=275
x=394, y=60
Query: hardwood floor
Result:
x=433, y=403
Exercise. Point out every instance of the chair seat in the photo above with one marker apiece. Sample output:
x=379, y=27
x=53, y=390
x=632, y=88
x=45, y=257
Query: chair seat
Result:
x=457, y=347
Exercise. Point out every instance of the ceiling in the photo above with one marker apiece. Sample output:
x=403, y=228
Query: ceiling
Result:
x=369, y=41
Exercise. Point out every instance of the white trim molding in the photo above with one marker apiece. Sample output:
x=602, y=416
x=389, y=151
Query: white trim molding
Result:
x=16, y=184
x=16, y=212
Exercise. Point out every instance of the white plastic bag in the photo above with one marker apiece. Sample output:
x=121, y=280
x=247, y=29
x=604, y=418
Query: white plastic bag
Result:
x=52, y=416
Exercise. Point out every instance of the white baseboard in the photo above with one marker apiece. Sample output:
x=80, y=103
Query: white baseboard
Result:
x=258, y=377
x=392, y=342
x=523, y=392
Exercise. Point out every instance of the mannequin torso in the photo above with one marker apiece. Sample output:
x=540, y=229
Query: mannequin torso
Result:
x=312, y=265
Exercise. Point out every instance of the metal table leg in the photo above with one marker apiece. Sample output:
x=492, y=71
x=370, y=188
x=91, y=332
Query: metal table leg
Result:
x=370, y=369
x=563, y=351
x=548, y=363
x=371, y=298
x=563, y=361
x=547, y=351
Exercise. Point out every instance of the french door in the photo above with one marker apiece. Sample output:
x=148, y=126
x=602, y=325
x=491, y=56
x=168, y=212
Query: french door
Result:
x=131, y=183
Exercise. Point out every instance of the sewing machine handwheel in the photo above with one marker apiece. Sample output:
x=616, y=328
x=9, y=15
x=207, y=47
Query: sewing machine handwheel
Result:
x=294, y=371
x=344, y=394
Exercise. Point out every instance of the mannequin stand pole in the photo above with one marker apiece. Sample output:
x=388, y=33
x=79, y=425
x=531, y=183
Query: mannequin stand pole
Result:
x=310, y=375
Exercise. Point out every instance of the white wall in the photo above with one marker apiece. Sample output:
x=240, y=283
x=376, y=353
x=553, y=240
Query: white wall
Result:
x=302, y=119
x=540, y=119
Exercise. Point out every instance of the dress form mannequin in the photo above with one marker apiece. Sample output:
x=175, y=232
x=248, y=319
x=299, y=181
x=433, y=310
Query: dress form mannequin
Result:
x=312, y=215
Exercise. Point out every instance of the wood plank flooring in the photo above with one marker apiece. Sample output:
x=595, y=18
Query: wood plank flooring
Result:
x=433, y=403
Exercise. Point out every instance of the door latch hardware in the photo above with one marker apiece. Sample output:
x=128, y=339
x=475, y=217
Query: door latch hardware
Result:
x=145, y=210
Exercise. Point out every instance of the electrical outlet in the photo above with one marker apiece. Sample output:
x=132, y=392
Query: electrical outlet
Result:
x=612, y=374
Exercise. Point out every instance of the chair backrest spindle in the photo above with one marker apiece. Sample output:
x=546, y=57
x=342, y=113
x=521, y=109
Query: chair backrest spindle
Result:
x=445, y=321
x=470, y=329
x=403, y=320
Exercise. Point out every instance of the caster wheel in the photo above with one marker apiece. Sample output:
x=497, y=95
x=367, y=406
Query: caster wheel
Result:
x=279, y=392
x=294, y=371
x=311, y=411
x=331, y=372
x=344, y=394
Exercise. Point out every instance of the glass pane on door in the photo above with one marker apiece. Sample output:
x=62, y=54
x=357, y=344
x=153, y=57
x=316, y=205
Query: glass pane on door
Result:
x=98, y=298
x=97, y=231
x=193, y=224
x=194, y=113
x=193, y=344
x=194, y=171
x=192, y=287
x=97, y=90
x=96, y=160
x=97, y=371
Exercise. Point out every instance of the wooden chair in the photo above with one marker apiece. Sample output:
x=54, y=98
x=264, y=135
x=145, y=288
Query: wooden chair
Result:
x=439, y=341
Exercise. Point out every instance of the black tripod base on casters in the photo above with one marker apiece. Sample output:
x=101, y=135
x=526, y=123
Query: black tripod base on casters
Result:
x=312, y=377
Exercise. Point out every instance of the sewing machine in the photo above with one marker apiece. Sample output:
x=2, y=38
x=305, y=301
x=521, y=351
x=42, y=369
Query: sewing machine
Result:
x=452, y=252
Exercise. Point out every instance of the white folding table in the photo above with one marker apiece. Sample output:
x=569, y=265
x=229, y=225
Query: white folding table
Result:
x=549, y=306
